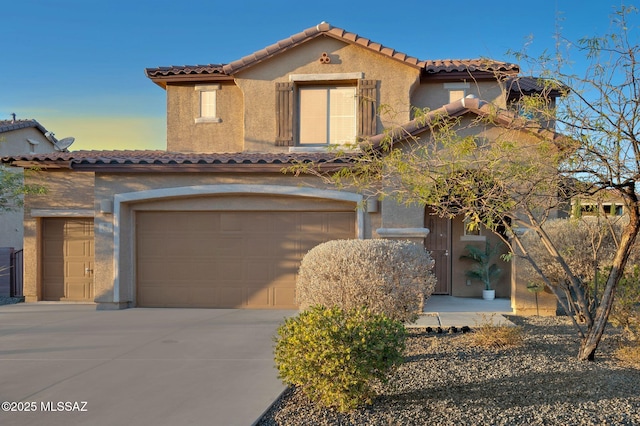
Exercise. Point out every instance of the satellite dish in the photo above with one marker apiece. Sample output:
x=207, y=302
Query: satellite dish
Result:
x=64, y=143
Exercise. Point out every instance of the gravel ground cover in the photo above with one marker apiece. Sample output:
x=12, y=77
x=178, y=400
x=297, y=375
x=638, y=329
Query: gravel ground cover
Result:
x=445, y=381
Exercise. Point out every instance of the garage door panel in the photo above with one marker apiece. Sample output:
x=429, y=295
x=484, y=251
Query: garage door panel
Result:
x=257, y=270
x=258, y=297
x=236, y=259
x=230, y=222
x=156, y=271
x=283, y=297
x=232, y=297
x=226, y=245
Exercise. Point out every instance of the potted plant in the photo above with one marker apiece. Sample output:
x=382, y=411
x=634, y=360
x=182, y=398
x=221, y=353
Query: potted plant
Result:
x=483, y=270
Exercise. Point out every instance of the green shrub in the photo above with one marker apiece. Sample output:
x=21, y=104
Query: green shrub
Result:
x=336, y=356
x=387, y=276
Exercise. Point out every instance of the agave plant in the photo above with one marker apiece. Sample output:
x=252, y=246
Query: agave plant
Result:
x=483, y=270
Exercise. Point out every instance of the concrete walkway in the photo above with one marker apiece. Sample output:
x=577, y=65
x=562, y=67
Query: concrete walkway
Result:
x=136, y=366
x=449, y=311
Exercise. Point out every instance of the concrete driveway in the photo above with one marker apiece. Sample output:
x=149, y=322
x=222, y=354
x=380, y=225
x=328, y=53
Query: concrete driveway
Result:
x=72, y=365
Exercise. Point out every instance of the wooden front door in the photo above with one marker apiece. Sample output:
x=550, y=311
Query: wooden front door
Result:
x=67, y=259
x=438, y=242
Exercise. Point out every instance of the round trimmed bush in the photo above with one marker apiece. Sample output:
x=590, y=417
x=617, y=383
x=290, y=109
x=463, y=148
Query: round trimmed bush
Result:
x=387, y=276
x=337, y=356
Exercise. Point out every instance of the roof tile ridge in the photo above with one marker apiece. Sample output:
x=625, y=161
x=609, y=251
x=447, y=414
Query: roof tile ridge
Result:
x=452, y=109
x=274, y=48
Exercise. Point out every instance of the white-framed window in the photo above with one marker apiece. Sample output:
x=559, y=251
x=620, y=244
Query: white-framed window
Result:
x=456, y=91
x=327, y=114
x=207, y=103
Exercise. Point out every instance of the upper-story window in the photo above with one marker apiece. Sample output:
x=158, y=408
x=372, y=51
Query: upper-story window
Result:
x=316, y=110
x=457, y=91
x=207, y=100
x=327, y=115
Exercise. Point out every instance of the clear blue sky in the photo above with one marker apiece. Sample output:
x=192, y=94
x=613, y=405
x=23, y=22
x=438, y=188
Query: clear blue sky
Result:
x=77, y=66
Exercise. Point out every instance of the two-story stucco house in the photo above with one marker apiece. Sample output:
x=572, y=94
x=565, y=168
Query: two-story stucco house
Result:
x=213, y=221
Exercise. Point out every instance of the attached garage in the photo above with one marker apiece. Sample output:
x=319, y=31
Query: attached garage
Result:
x=228, y=259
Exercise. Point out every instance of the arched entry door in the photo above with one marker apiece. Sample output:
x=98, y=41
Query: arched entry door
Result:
x=438, y=242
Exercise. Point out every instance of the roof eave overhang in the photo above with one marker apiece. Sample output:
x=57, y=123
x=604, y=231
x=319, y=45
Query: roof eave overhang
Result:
x=38, y=165
x=197, y=168
x=460, y=75
x=189, y=78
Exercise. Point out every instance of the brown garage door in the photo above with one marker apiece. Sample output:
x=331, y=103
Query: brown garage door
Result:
x=67, y=259
x=228, y=259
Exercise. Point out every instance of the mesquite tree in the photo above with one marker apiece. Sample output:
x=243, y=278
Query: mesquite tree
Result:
x=601, y=112
x=512, y=172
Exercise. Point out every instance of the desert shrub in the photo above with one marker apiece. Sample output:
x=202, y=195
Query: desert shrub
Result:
x=337, y=356
x=579, y=242
x=390, y=277
x=588, y=245
x=486, y=334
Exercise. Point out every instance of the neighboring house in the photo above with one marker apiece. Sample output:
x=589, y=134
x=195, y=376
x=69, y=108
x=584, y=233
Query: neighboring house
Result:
x=606, y=203
x=17, y=137
x=212, y=221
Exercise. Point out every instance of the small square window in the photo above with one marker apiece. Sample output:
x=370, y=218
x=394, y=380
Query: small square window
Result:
x=207, y=103
x=457, y=90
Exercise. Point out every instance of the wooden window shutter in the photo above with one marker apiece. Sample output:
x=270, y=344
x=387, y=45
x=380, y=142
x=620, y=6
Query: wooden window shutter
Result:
x=284, y=114
x=367, y=95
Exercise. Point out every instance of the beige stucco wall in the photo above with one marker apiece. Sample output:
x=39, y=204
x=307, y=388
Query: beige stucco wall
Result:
x=185, y=135
x=258, y=84
x=433, y=94
x=72, y=194
x=68, y=195
x=118, y=228
x=247, y=107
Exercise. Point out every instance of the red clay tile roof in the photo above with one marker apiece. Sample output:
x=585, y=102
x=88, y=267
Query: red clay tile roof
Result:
x=184, y=70
x=150, y=161
x=469, y=65
x=470, y=104
x=324, y=29
x=9, y=125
